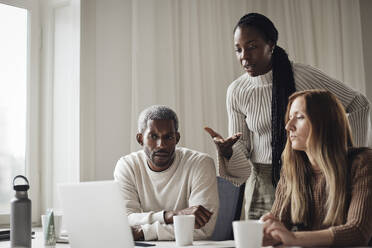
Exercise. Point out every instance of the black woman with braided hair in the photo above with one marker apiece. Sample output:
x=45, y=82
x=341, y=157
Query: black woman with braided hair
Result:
x=256, y=105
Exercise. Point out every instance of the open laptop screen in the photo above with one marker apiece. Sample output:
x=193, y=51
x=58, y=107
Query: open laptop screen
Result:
x=95, y=216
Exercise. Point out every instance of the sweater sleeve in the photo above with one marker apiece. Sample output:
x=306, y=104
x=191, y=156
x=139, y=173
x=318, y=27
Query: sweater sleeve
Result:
x=238, y=168
x=359, y=118
x=356, y=105
x=357, y=231
x=203, y=192
x=125, y=177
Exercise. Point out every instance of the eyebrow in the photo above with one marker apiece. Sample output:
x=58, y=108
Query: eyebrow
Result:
x=169, y=133
x=250, y=41
x=297, y=112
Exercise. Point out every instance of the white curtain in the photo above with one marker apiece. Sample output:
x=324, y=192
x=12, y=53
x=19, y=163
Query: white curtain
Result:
x=182, y=54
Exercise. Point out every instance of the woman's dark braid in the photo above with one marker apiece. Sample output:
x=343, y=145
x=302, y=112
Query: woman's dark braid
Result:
x=283, y=87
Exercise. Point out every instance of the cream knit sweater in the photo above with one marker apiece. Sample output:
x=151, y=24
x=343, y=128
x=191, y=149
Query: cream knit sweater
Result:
x=190, y=181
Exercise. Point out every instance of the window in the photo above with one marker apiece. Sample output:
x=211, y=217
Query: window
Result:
x=39, y=117
x=13, y=98
x=19, y=101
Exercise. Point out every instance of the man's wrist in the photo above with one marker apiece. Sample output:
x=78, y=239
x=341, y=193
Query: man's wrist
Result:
x=168, y=216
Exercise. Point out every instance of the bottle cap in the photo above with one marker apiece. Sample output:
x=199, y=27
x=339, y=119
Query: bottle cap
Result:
x=23, y=187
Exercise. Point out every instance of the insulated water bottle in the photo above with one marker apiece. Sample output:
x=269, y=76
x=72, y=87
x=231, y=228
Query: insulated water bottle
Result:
x=20, y=216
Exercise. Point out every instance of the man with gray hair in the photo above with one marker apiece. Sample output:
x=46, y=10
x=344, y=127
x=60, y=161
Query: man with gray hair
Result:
x=162, y=180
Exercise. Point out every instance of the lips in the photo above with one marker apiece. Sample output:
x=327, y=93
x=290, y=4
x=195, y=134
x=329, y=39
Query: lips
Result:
x=161, y=154
x=249, y=68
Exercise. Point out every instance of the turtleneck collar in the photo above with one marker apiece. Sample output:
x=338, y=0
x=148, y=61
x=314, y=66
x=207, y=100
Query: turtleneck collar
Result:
x=264, y=79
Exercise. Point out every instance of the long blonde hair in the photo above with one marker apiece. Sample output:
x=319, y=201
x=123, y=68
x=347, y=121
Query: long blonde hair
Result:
x=328, y=142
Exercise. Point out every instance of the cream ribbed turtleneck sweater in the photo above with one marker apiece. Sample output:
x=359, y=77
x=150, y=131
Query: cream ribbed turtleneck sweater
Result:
x=249, y=112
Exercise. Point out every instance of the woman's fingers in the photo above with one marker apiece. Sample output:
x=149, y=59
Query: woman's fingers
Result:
x=212, y=133
x=267, y=216
x=230, y=141
x=276, y=234
x=277, y=230
x=224, y=146
x=218, y=139
x=267, y=223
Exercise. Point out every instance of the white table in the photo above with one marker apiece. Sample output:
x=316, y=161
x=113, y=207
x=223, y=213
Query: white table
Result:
x=38, y=242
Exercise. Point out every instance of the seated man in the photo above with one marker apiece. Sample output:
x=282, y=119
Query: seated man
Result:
x=162, y=181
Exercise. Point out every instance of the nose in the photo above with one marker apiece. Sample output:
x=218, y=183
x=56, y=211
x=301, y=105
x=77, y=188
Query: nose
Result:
x=289, y=126
x=245, y=54
x=245, y=57
x=161, y=143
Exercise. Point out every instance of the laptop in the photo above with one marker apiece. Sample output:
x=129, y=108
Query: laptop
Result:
x=95, y=216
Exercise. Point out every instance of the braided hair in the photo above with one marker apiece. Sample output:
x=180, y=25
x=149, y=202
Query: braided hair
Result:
x=283, y=85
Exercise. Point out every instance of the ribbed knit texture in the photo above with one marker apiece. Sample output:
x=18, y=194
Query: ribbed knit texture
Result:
x=249, y=111
x=357, y=230
x=189, y=181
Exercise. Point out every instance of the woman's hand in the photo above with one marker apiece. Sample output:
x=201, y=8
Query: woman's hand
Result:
x=224, y=146
x=275, y=232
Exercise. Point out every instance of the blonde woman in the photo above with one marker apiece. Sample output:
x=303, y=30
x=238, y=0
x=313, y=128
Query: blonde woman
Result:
x=324, y=196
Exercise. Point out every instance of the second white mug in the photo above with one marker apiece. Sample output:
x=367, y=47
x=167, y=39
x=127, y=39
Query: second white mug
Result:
x=184, y=229
x=248, y=233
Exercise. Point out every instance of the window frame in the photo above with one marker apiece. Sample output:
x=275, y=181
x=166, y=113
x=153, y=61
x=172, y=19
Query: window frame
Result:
x=32, y=158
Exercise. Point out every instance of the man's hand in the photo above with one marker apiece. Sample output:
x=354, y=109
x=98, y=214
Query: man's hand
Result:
x=202, y=215
x=224, y=146
x=137, y=233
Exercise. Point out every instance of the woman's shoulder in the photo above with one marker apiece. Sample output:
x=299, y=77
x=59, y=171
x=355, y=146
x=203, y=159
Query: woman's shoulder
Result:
x=308, y=77
x=359, y=157
x=304, y=72
x=304, y=68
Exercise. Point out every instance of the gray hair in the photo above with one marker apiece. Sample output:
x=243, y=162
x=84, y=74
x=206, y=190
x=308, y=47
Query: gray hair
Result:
x=156, y=112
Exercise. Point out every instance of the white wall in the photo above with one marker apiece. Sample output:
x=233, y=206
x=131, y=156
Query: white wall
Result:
x=104, y=124
x=106, y=69
x=366, y=20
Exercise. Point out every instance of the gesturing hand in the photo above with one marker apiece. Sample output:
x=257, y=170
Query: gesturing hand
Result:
x=202, y=215
x=224, y=146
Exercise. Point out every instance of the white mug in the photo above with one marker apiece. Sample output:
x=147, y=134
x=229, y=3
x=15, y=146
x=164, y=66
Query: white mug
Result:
x=248, y=233
x=184, y=229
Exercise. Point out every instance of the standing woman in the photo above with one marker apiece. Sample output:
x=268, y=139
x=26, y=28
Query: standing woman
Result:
x=256, y=104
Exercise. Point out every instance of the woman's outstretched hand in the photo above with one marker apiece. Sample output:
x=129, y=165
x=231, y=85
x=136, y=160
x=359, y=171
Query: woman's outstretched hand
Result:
x=224, y=146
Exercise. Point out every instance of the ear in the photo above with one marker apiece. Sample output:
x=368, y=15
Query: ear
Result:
x=139, y=138
x=272, y=46
x=178, y=136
